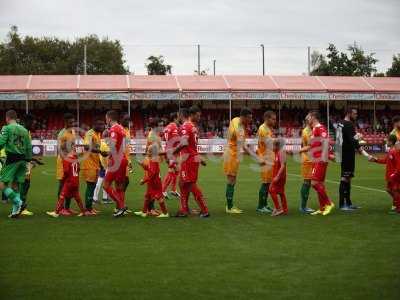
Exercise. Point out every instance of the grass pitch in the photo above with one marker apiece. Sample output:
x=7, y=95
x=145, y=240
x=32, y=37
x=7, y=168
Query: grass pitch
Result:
x=249, y=256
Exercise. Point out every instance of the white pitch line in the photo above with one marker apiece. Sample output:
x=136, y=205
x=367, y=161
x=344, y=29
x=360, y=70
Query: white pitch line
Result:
x=353, y=185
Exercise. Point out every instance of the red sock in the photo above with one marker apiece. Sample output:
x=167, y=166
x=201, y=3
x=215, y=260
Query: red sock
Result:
x=284, y=202
x=114, y=195
x=396, y=201
x=199, y=198
x=162, y=206
x=174, y=176
x=166, y=182
x=121, y=197
x=146, y=203
x=322, y=196
x=60, y=203
x=274, y=197
x=79, y=202
x=184, y=199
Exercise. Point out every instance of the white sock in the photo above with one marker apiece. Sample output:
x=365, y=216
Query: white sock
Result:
x=97, y=188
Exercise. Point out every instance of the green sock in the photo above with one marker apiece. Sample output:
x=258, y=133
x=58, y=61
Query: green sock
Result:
x=262, y=196
x=230, y=189
x=305, y=192
x=90, y=186
x=14, y=197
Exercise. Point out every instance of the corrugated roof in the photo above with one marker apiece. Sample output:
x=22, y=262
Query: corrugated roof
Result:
x=23, y=83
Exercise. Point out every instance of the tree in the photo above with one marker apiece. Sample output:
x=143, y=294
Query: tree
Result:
x=337, y=63
x=394, y=70
x=157, y=66
x=49, y=55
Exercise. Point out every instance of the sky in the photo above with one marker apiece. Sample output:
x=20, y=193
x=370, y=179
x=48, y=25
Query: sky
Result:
x=229, y=32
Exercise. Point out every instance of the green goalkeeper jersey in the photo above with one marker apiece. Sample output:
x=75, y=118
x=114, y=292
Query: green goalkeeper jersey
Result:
x=15, y=140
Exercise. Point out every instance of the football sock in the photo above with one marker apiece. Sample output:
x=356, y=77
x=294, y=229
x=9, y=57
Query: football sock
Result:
x=97, y=188
x=184, y=200
x=90, y=187
x=173, y=183
x=322, y=196
x=79, y=202
x=162, y=206
x=341, y=193
x=199, y=198
x=67, y=203
x=284, y=202
x=275, y=199
x=262, y=196
x=14, y=197
x=230, y=189
x=348, y=190
x=24, y=188
x=305, y=193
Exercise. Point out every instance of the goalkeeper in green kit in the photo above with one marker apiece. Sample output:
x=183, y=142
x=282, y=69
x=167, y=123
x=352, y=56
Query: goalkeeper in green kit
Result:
x=14, y=138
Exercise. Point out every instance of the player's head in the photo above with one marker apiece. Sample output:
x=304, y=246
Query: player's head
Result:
x=173, y=117
x=29, y=121
x=194, y=113
x=351, y=113
x=98, y=125
x=396, y=122
x=270, y=118
x=152, y=150
x=183, y=115
x=313, y=117
x=246, y=115
x=11, y=116
x=69, y=120
x=111, y=117
x=153, y=122
x=278, y=144
x=391, y=140
x=125, y=120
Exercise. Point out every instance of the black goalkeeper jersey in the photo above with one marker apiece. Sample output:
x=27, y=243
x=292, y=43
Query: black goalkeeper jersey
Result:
x=345, y=138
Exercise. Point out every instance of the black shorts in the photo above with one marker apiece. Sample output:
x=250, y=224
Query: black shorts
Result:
x=348, y=165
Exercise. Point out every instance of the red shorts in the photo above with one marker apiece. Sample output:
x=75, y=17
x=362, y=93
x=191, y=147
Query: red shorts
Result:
x=189, y=170
x=118, y=175
x=69, y=191
x=319, y=171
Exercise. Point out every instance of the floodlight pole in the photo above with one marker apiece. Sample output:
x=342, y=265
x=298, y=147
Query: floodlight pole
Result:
x=263, y=59
x=309, y=60
x=198, y=59
x=327, y=115
x=374, y=116
x=84, y=60
x=214, y=66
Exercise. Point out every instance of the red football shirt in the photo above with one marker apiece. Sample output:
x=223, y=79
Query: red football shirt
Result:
x=277, y=166
x=392, y=161
x=319, y=139
x=171, y=136
x=71, y=171
x=152, y=177
x=189, y=131
x=117, y=137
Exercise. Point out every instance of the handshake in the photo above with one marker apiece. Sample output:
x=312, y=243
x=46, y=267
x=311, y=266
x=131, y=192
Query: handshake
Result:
x=372, y=158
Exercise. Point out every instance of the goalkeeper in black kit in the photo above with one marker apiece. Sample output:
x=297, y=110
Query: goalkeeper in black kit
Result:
x=348, y=142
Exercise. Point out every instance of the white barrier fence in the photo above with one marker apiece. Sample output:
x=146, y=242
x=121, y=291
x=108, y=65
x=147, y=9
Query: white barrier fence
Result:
x=138, y=146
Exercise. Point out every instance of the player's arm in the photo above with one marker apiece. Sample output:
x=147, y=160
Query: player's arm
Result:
x=28, y=148
x=4, y=135
x=183, y=142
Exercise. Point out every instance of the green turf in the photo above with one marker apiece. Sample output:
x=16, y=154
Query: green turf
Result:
x=341, y=256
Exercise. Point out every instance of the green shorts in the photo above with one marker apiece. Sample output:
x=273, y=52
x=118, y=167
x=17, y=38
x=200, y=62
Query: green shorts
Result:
x=14, y=172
